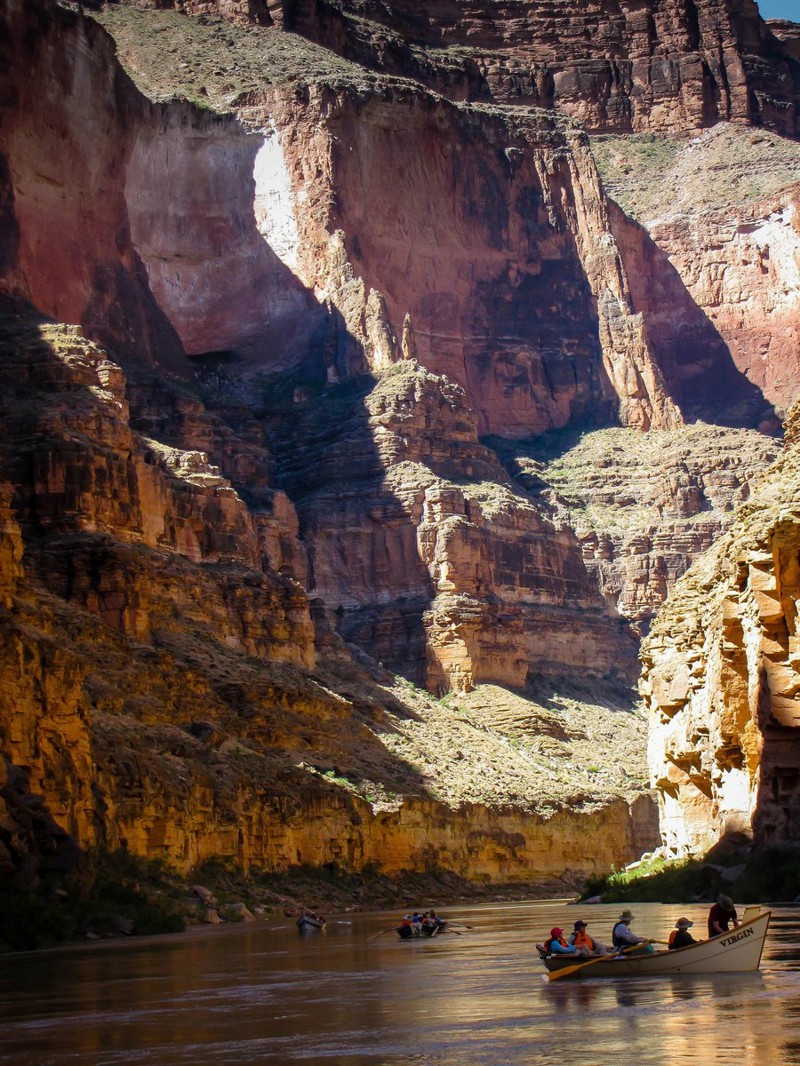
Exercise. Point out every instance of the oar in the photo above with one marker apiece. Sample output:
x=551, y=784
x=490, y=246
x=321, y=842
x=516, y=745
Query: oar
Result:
x=383, y=932
x=554, y=975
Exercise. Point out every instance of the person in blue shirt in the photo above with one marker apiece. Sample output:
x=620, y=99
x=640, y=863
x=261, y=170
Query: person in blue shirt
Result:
x=557, y=945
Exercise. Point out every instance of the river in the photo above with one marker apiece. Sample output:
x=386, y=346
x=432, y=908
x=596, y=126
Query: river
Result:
x=356, y=995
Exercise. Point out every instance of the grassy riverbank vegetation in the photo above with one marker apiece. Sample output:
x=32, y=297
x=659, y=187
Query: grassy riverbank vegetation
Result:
x=762, y=875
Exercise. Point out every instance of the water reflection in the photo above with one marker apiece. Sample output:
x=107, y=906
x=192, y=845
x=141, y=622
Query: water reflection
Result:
x=266, y=995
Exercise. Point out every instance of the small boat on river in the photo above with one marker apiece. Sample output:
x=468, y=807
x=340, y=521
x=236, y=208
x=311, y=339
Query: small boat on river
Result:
x=419, y=925
x=308, y=922
x=736, y=951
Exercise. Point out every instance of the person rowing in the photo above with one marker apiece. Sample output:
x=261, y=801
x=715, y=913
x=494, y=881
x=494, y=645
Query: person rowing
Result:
x=624, y=938
x=721, y=916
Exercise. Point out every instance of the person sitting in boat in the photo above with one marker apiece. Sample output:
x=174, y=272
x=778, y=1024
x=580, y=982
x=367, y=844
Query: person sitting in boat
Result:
x=721, y=916
x=557, y=945
x=415, y=921
x=431, y=925
x=434, y=917
x=624, y=938
x=585, y=944
x=405, y=930
x=680, y=937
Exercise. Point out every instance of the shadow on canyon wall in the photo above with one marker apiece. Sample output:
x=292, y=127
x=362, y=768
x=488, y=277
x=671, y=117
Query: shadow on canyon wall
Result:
x=697, y=365
x=363, y=558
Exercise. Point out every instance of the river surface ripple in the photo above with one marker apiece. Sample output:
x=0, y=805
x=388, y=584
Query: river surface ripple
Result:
x=356, y=995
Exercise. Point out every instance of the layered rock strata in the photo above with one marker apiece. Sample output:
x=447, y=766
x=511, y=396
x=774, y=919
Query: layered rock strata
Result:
x=493, y=261
x=309, y=289
x=721, y=677
x=448, y=572
x=664, y=65
x=173, y=693
x=643, y=507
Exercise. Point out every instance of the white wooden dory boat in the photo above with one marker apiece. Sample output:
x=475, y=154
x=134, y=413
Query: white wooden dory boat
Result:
x=737, y=951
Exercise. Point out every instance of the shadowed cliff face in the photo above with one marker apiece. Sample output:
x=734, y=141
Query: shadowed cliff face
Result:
x=717, y=274
x=491, y=260
x=73, y=254
x=166, y=688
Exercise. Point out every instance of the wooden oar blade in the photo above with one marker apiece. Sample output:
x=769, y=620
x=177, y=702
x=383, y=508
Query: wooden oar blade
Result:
x=565, y=971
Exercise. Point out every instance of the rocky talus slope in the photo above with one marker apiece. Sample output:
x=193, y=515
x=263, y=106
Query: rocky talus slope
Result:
x=721, y=676
x=643, y=507
x=330, y=370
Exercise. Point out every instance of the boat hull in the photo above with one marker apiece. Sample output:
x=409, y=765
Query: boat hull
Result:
x=737, y=951
x=306, y=925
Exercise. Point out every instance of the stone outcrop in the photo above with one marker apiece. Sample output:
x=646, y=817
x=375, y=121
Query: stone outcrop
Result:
x=448, y=572
x=63, y=157
x=494, y=262
x=166, y=688
x=721, y=677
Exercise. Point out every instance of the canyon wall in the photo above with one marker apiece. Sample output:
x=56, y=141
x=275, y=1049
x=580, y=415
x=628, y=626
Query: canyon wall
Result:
x=721, y=677
x=316, y=312
x=643, y=507
x=165, y=688
x=719, y=254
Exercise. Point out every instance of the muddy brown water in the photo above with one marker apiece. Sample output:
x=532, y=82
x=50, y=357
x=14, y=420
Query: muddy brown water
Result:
x=358, y=996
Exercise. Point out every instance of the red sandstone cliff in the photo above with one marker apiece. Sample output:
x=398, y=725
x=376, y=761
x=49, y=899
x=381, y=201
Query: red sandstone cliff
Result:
x=164, y=687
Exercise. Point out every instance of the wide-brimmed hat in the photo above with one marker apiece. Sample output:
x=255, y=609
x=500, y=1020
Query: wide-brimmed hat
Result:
x=683, y=923
x=626, y=916
x=579, y=923
x=726, y=902
x=555, y=931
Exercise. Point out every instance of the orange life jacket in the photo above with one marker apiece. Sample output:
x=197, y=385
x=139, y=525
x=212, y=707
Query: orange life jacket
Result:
x=583, y=940
x=672, y=935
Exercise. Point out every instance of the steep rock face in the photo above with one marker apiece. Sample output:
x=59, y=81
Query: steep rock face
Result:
x=720, y=258
x=446, y=570
x=721, y=680
x=101, y=493
x=68, y=248
x=491, y=261
x=664, y=65
x=365, y=277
